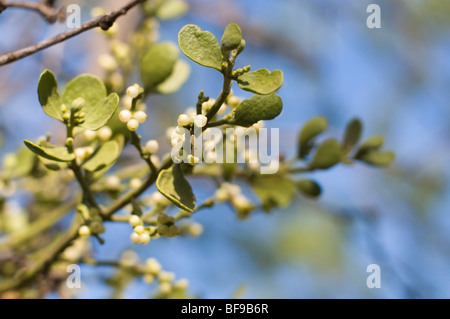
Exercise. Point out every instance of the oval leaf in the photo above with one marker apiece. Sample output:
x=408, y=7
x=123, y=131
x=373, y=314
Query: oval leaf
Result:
x=310, y=130
x=328, y=154
x=377, y=158
x=180, y=74
x=88, y=87
x=256, y=108
x=231, y=38
x=261, y=81
x=172, y=184
x=158, y=64
x=49, y=96
x=106, y=154
x=309, y=188
x=98, y=115
x=352, y=134
x=200, y=46
x=59, y=154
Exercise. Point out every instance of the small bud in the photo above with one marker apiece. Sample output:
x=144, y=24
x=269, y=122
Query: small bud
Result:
x=78, y=103
x=69, y=142
x=163, y=230
x=166, y=276
x=233, y=101
x=165, y=288
x=173, y=231
x=107, y=62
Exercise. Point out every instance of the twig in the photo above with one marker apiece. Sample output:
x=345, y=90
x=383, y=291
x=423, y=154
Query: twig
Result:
x=44, y=9
x=104, y=22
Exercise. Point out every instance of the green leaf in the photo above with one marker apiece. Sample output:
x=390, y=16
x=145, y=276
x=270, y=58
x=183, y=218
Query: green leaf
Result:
x=59, y=154
x=261, y=81
x=87, y=87
x=200, y=46
x=180, y=74
x=52, y=165
x=273, y=190
x=48, y=94
x=91, y=91
x=309, y=188
x=18, y=164
x=328, y=154
x=158, y=64
x=105, y=155
x=378, y=158
x=352, y=134
x=99, y=115
x=172, y=184
x=231, y=38
x=310, y=130
x=256, y=108
x=171, y=9
x=371, y=144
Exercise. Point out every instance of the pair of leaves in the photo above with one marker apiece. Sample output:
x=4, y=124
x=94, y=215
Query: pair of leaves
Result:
x=174, y=186
x=161, y=69
x=256, y=108
x=203, y=48
x=369, y=152
x=97, y=106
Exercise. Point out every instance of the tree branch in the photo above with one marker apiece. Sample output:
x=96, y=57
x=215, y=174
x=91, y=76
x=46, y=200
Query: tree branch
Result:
x=44, y=9
x=104, y=22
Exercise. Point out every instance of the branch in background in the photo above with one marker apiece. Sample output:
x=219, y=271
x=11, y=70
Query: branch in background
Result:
x=104, y=22
x=45, y=9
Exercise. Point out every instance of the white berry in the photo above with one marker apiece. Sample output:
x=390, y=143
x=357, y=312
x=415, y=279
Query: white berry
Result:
x=84, y=231
x=152, y=146
x=133, y=91
x=184, y=120
x=133, y=125
x=134, y=238
x=105, y=133
x=144, y=238
x=135, y=220
x=140, y=116
x=125, y=116
x=152, y=266
x=139, y=229
x=200, y=120
x=135, y=183
x=90, y=135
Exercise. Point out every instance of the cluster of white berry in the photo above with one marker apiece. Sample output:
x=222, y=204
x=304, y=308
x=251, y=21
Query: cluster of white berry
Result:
x=103, y=134
x=167, y=284
x=233, y=193
x=133, y=119
x=141, y=234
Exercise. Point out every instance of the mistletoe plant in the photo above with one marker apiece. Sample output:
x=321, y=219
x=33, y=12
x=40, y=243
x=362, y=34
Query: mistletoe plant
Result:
x=102, y=120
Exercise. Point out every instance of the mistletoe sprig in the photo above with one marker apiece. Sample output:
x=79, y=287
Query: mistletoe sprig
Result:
x=100, y=124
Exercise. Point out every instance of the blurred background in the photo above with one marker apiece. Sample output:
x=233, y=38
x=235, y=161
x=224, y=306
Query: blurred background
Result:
x=395, y=79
